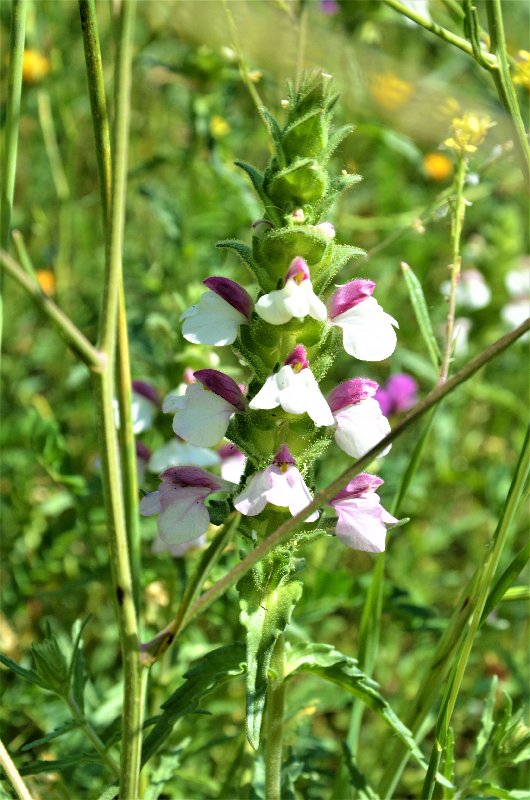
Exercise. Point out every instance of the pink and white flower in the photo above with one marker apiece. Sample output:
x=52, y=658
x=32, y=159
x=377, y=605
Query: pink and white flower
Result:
x=176, y=453
x=362, y=520
x=367, y=330
x=360, y=423
x=398, y=394
x=295, y=389
x=218, y=314
x=233, y=462
x=296, y=299
x=280, y=484
x=203, y=413
x=179, y=503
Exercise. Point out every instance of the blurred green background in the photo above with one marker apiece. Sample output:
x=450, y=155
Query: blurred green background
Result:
x=192, y=116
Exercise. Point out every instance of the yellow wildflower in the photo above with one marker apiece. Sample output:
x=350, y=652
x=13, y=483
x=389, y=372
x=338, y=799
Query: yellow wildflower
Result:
x=522, y=69
x=255, y=75
x=35, y=66
x=219, y=127
x=437, y=166
x=389, y=91
x=46, y=280
x=468, y=131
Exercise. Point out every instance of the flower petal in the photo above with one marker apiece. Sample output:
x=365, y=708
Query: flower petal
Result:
x=212, y=321
x=150, y=504
x=253, y=499
x=360, y=525
x=185, y=519
x=204, y=419
x=360, y=427
x=368, y=332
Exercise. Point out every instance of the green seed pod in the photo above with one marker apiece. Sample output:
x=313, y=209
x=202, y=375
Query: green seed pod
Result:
x=306, y=137
x=302, y=182
x=276, y=250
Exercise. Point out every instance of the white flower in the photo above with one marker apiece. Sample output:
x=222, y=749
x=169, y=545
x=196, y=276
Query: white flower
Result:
x=175, y=453
x=295, y=390
x=472, y=290
x=179, y=503
x=367, y=331
x=218, y=314
x=296, y=299
x=203, y=413
x=280, y=484
x=360, y=423
x=362, y=520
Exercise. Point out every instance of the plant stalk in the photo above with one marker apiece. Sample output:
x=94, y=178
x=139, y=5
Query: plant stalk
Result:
x=457, y=223
x=13, y=775
x=274, y=722
x=91, y=734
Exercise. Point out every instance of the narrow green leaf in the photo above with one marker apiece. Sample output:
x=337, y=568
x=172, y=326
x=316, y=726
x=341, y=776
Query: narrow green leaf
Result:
x=28, y=674
x=110, y=793
x=363, y=790
x=449, y=766
x=486, y=720
x=275, y=132
x=207, y=674
x=419, y=305
x=514, y=568
x=55, y=734
x=254, y=174
x=38, y=767
x=267, y=602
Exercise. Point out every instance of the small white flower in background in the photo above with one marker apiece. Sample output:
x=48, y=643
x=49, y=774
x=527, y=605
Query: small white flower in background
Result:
x=177, y=550
x=360, y=422
x=280, y=484
x=362, y=520
x=144, y=405
x=296, y=299
x=179, y=503
x=295, y=389
x=472, y=292
x=177, y=453
x=367, y=331
x=420, y=7
x=217, y=316
x=515, y=312
x=461, y=331
x=203, y=413
x=325, y=228
x=233, y=462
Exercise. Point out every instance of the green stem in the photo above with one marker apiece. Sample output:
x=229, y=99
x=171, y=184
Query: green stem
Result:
x=91, y=734
x=457, y=222
x=13, y=775
x=50, y=143
x=274, y=723
x=98, y=104
x=504, y=83
x=286, y=530
x=23, y=255
x=489, y=61
x=14, y=91
x=86, y=351
x=113, y=184
x=486, y=572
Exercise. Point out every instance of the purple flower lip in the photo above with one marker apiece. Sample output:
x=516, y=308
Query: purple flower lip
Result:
x=349, y=295
x=283, y=456
x=398, y=394
x=229, y=451
x=142, y=451
x=297, y=358
x=146, y=390
x=361, y=484
x=298, y=270
x=232, y=292
x=223, y=385
x=351, y=392
x=191, y=476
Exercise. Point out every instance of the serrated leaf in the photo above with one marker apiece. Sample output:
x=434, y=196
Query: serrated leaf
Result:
x=110, y=793
x=28, y=674
x=417, y=298
x=165, y=770
x=245, y=254
x=51, y=665
x=267, y=601
x=340, y=255
x=207, y=674
x=328, y=663
x=55, y=734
